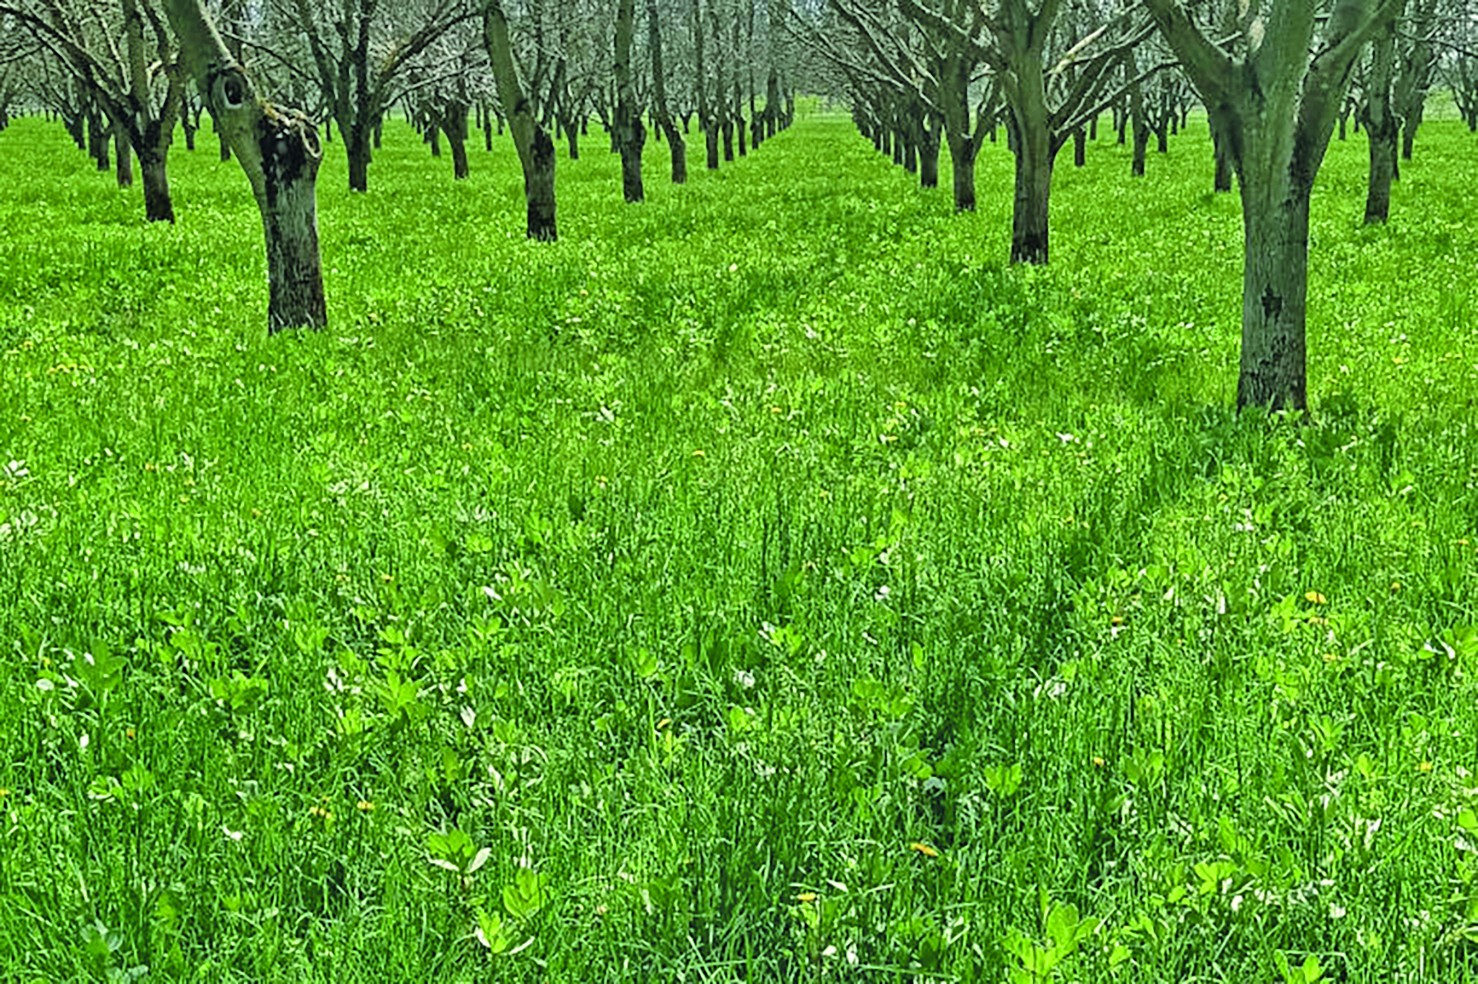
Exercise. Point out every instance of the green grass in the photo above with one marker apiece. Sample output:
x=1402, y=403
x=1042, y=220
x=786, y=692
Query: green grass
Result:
x=700, y=565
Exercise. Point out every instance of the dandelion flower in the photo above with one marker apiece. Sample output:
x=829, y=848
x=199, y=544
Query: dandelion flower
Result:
x=806, y=897
x=924, y=849
x=1424, y=767
x=365, y=806
x=1314, y=598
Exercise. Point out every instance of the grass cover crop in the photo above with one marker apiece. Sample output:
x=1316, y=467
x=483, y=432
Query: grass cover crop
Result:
x=761, y=583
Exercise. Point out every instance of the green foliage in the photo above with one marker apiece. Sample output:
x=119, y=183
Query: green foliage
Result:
x=763, y=583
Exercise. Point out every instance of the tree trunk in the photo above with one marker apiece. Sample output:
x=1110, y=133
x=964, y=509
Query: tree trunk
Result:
x=1139, y=123
x=728, y=132
x=454, y=125
x=1274, y=299
x=630, y=132
x=661, y=111
x=123, y=155
x=1029, y=218
x=1080, y=147
x=97, y=140
x=1382, y=129
x=1029, y=225
x=280, y=153
x=1382, y=141
x=458, y=142
x=710, y=143
x=535, y=148
x=929, y=159
x=358, y=143
x=962, y=157
x=539, y=189
x=1223, y=181
x=157, y=204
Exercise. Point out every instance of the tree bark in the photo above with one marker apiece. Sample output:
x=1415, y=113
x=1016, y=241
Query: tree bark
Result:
x=158, y=207
x=454, y=125
x=97, y=140
x=630, y=132
x=929, y=156
x=122, y=155
x=1223, y=155
x=280, y=154
x=1139, y=124
x=535, y=148
x=1080, y=147
x=1381, y=126
x=962, y=157
x=661, y=111
x=1274, y=300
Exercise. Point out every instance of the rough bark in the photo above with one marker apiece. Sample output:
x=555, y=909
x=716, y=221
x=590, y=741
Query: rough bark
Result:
x=1029, y=216
x=1381, y=125
x=454, y=124
x=280, y=154
x=357, y=140
x=676, y=145
x=535, y=148
x=158, y=207
x=929, y=155
x=122, y=156
x=964, y=180
x=1274, y=301
x=630, y=133
x=707, y=120
x=1221, y=150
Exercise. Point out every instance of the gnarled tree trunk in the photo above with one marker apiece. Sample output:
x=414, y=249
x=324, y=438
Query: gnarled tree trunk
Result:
x=535, y=148
x=280, y=153
x=630, y=132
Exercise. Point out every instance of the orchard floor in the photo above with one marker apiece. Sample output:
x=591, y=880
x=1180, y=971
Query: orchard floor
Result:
x=763, y=583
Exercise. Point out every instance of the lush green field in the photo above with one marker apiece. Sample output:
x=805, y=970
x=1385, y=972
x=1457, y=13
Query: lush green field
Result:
x=763, y=583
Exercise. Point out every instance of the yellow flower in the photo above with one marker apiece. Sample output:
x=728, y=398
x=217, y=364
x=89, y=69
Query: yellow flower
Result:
x=1314, y=598
x=1117, y=620
x=698, y=453
x=1098, y=761
x=1395, y=585
x=1424, y=767
x=365, y=806
x=4, y=792
x=130, y=733
x=924, y=849
x=806, y=897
